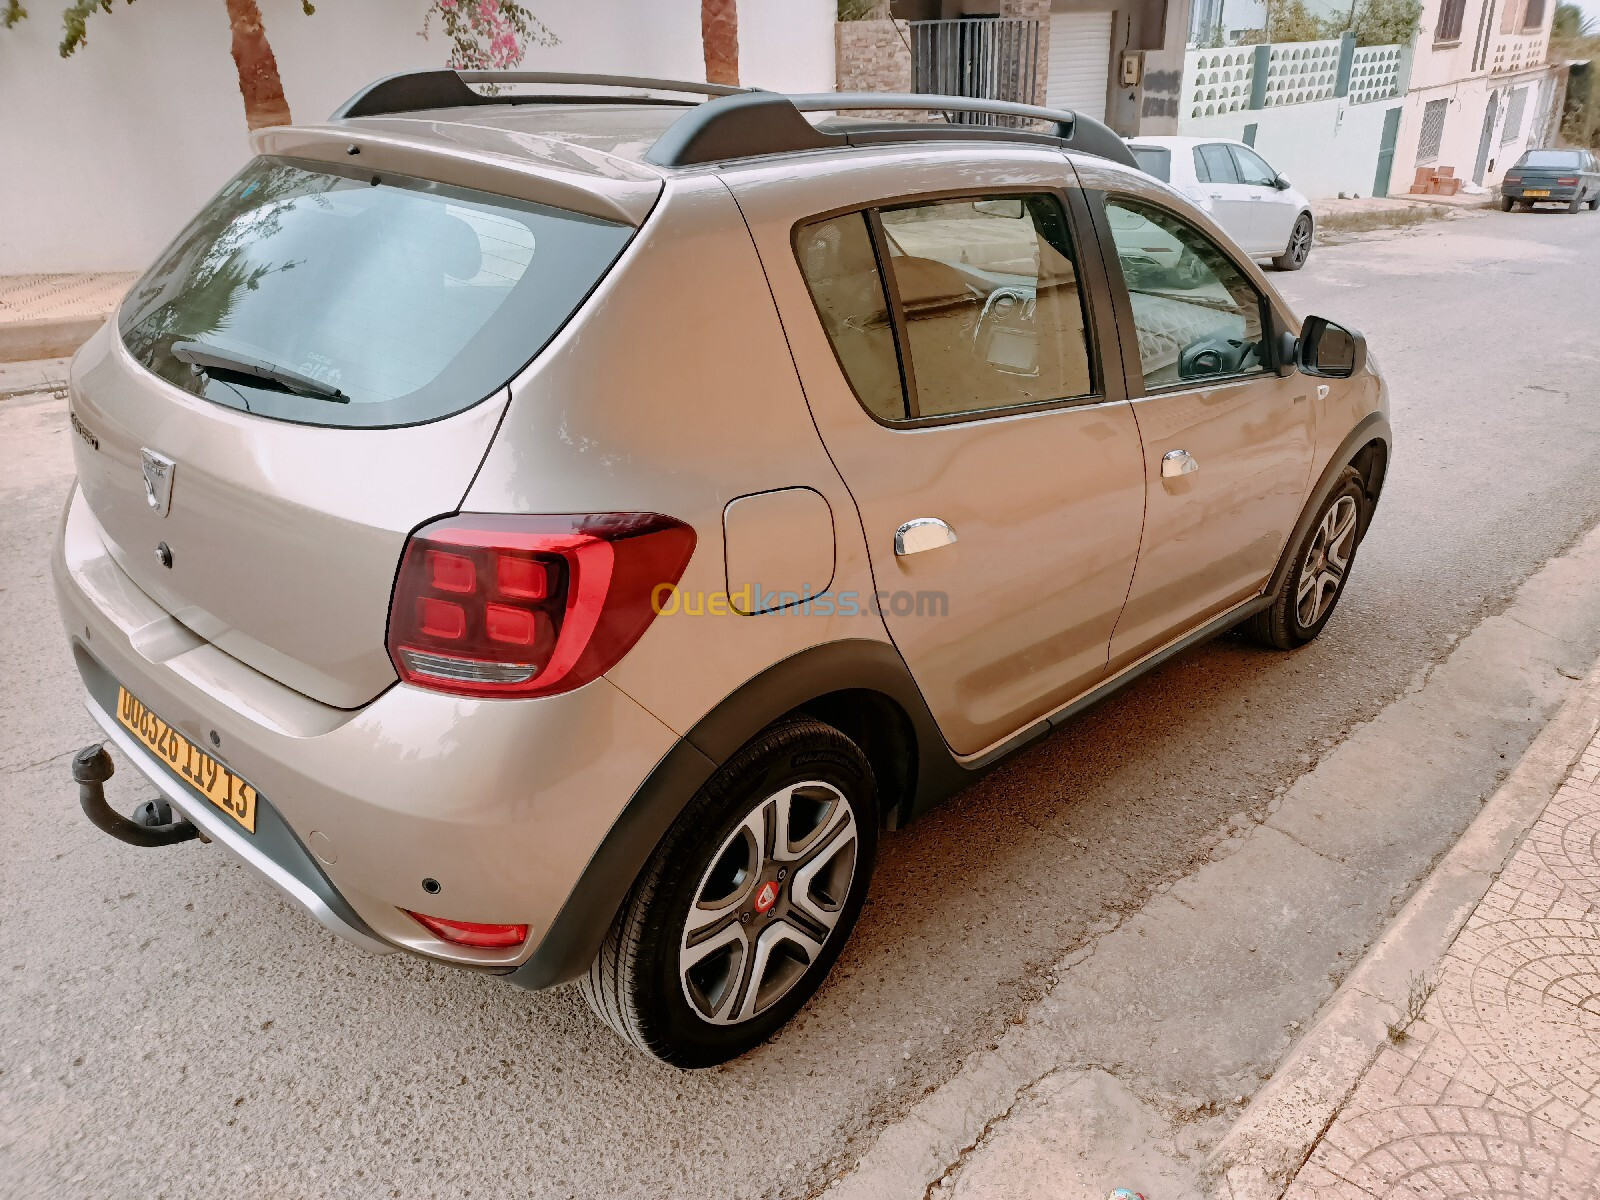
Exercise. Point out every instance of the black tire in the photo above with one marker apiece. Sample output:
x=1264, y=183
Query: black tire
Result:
x=1577, y=203
x=1299, y=248
x=1507, y=203
x=1594, y=202
x=1290, y=622
x=635, y=985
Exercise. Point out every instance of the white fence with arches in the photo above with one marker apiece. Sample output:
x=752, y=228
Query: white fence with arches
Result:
x=1216, y=82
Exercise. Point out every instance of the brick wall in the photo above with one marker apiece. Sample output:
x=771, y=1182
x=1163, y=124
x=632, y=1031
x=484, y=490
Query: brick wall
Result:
x=873, y=56
x=1039, y=10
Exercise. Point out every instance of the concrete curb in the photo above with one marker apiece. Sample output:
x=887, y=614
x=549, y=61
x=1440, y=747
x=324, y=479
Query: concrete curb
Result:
x=1260, y=1154
x=50, y=337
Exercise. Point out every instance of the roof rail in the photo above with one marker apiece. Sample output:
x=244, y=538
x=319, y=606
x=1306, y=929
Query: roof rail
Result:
x=759, y=123
x=743, y=122
x=414, y=91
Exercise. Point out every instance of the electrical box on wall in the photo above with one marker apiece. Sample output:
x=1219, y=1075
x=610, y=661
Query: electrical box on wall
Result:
x=1130, y=69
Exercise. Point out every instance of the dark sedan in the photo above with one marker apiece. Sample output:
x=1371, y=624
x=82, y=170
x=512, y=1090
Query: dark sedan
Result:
x=1569, y=177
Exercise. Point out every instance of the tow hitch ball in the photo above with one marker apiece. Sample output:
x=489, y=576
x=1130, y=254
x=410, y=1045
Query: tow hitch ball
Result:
x=152, y=823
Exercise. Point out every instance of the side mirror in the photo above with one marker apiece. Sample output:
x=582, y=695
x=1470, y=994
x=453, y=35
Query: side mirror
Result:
x=1330, y=351
x=1281, y=183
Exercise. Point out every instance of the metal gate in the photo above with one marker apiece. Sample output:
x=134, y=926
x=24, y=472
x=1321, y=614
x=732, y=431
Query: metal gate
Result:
x=992, y=58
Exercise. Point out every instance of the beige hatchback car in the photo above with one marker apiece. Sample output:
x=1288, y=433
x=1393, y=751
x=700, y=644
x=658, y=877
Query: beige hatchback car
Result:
x=554, y=534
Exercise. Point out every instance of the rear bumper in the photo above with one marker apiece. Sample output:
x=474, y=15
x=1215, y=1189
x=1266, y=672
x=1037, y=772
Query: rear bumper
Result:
x=504, y=803
x=1554, y=195
x=273, y=853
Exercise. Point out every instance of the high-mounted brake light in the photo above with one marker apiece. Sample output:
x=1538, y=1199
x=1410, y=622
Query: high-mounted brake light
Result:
x=513, y=606
x=472, y=933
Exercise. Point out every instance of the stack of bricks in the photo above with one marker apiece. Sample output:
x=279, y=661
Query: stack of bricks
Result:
x=1435, y=181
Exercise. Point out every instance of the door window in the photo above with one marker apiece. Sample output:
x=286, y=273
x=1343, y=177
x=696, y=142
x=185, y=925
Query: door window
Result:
x=841, y=269
x=987, y=295
x=1196, y=313
x=1253, y=168
x=1214, y=164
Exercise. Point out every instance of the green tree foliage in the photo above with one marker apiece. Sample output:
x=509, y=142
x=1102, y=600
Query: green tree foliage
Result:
x=1570, y=24
x=1374, y=22
x=75, y=19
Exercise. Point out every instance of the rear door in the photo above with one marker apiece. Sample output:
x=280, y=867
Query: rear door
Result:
x=994, y=462
x=1232, y=202
x=1227, y=442
x=315, y=367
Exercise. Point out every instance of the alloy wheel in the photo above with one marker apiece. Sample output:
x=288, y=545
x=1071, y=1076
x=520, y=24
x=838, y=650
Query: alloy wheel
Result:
x=1300, y=241
x=1328, y=558
x=768, y=903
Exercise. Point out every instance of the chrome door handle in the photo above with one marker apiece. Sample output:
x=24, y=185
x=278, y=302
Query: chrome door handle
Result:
x=1216, y=195
x=1178, y=462
x=922, y=533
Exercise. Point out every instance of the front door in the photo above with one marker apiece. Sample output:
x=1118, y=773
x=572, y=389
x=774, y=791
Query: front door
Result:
x=1391, y=136
x=995, y=464
x=1227, y=442
x=1273, y=217
x=1233, y=201
x=1486, y=140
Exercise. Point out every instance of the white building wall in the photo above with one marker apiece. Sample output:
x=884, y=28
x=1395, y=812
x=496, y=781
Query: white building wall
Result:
x=105, y=156
x=1323, y=148
x=1445, y=72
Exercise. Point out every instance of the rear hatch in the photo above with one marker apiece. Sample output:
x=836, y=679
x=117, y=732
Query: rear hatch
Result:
x=313, y=369
x=1547, y=171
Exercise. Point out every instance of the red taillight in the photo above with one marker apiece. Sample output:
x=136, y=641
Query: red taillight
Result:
x=1569, y=180
x=1513, y=178
x=472, y=933
x=513, y=606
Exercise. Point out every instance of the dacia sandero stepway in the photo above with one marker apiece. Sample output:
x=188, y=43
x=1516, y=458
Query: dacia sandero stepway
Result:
x=555, y=533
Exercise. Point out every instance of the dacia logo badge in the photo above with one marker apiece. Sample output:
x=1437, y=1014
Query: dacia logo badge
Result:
x=158, y=473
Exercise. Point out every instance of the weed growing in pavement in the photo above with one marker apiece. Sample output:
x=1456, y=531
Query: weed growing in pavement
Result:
x=1418, y=989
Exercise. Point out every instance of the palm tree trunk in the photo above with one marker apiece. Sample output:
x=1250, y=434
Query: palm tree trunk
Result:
x=264, y=102
x=719, y=31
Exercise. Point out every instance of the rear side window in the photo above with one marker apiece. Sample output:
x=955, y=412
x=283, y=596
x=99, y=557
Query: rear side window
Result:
x=841, y=270
x=1154, y=160
x=310, y=293
x=978, y=306
x=1214, y=164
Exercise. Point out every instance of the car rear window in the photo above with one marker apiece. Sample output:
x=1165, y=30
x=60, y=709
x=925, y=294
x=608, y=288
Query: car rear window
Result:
x=1561, y=159
x=1154, y=160
x=307, y=292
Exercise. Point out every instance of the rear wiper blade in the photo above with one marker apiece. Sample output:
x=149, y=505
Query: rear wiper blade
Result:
x=215, y=358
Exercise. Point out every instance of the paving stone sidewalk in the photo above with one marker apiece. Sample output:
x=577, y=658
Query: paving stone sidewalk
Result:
x=46, y=316
x=1494, y=1090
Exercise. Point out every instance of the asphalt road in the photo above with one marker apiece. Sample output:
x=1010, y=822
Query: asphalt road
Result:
x=169, y=1027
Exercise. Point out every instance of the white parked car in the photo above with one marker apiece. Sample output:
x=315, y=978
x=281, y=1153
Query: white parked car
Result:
x=1240, y=191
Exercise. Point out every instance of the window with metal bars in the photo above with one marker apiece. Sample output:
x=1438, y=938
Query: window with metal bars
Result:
x=1432, y=131
x=1451, y=15
x=1514, y=110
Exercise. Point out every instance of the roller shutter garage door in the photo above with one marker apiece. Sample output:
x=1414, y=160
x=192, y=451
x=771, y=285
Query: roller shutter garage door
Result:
x=1080, y=57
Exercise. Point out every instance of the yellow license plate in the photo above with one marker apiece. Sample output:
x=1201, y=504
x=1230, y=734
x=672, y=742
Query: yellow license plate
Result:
x=193, y=765
x=1536, y=192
